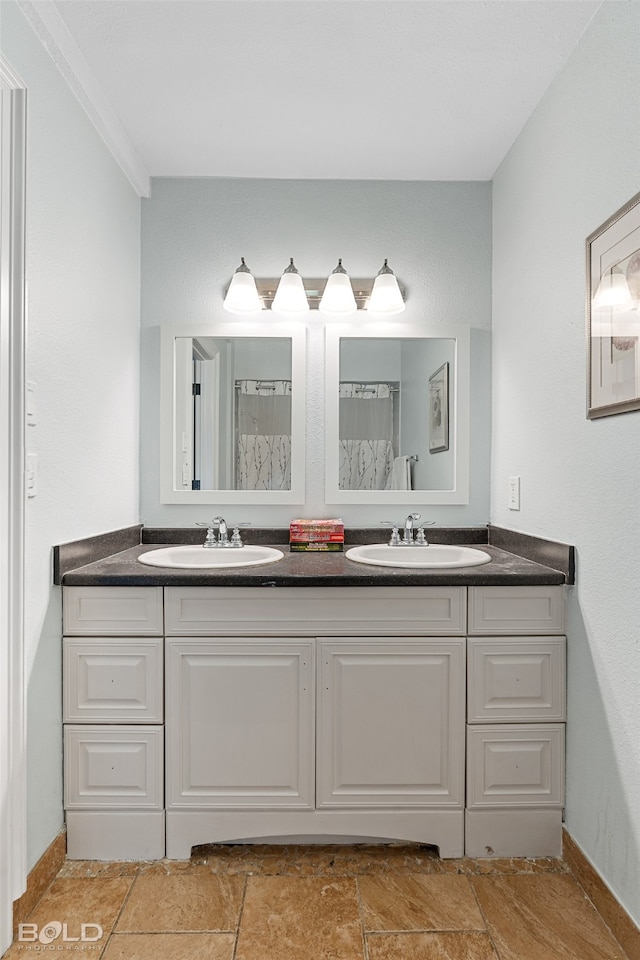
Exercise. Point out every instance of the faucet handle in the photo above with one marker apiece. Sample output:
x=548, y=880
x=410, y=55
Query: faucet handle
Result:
x=395, y=536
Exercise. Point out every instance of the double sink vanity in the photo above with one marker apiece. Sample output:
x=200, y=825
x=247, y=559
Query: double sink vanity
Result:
x=411, y=693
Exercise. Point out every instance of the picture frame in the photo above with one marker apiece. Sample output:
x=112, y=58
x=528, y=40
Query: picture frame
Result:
x=439, y=409
x=613, y=313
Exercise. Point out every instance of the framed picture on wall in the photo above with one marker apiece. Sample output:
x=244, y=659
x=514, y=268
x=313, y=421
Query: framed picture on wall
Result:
x=439, y=409
x=613, y=314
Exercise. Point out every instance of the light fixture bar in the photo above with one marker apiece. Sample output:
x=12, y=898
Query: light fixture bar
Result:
x=313, y=288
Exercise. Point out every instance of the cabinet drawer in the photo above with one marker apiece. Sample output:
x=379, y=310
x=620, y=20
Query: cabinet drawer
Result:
x=313, y=611
x=108, y=680
x=515, y=679
x=519, y=610
x=113, y=767
x=515, y=765
x=112, y=611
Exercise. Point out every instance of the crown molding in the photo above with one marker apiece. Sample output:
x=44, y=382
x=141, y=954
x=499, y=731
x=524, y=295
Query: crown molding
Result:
x=53, y=33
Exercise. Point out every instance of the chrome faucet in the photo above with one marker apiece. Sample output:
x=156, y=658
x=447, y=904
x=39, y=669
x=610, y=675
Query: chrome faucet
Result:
x=408, y=528
x=413, y=536
x=219, y=526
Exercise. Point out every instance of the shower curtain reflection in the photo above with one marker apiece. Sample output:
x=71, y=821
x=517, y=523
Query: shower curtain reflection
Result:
x=368, y=431
x=263, y=434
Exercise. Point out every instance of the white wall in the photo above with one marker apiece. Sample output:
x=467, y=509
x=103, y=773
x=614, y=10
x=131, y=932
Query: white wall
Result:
x=437, y=237
x=83, y=275
x=575, y=163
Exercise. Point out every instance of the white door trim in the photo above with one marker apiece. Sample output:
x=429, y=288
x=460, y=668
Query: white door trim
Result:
x=13, y=790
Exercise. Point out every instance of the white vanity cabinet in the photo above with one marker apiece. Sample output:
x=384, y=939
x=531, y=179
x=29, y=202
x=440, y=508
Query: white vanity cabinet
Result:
x=328, y=713
x=432, y=714
x=515, y=722
x=113, y=722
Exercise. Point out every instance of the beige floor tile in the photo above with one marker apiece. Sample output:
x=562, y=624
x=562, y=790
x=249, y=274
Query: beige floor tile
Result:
x=538, y=918
x=75, y=901
x=300, y=918
x=419, y=902
x=182, y=902
x=170, y=946
x=107, y=869
x=430, y=946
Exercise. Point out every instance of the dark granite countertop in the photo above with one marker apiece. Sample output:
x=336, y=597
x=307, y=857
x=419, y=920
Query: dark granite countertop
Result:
x=312, y=570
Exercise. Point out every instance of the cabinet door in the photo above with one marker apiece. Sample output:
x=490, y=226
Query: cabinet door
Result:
x=390, y=723
x=240, y=723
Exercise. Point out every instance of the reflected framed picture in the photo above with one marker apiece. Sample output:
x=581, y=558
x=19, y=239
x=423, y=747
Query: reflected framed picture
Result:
x=613, y=314
x=439, y=409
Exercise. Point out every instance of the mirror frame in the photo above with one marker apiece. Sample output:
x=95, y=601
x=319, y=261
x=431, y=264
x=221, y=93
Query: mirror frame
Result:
x=297, y=335
x=458, y=412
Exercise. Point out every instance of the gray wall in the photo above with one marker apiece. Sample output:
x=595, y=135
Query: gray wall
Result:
x=437, y=237
x=83, y=275
x=576, y=162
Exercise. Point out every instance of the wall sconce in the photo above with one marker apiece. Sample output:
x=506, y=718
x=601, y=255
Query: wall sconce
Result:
x=338, y=295
x=386, y=296
x=242, y=295
x=290, y=296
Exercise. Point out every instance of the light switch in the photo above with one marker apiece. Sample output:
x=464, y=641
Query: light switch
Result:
x=31, y=403
x=513, y=500
x=31, y=477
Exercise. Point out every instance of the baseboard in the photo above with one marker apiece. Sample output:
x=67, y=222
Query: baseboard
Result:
x=613, y=913
x=42, y=875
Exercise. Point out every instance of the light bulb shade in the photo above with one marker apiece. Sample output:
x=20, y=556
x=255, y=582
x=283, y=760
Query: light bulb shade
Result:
x=385, y=296
x=613, y=293
x=290, y=296
x=338, y=295
x=242, y=295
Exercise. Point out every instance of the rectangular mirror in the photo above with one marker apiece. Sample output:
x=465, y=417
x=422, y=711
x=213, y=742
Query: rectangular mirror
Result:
x=232, y=424
x=397, y=409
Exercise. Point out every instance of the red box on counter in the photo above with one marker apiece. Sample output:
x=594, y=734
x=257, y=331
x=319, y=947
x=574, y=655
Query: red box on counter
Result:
x=316, y=534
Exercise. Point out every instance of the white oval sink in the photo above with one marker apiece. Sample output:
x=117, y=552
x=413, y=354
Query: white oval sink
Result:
x=198, y=558
x=435, y=555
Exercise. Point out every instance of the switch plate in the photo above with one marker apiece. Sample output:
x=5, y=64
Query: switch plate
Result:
x=513, y=497
x=31, y=403
x=31, y=478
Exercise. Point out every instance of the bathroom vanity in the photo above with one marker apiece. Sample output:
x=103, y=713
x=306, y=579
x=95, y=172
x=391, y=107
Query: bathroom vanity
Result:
x=314, y=698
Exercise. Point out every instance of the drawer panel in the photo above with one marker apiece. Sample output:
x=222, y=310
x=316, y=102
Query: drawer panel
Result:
x=110, y=767
x=515, y=678
x=516, y=610
x=313, y=611
x=515, y=765
x=112, y=680
x=112, y=611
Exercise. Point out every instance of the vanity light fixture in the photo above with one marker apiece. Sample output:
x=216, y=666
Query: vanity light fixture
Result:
x=242, y=295
x=386, y=296
x=290, y=296
x=338, y=293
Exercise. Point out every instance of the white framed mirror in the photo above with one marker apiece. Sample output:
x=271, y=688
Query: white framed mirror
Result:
x=232, y=413
x=397, y=414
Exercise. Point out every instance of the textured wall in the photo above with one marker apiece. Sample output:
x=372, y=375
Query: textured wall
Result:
x=576, y=162
x=437, y=237
x=83, y=269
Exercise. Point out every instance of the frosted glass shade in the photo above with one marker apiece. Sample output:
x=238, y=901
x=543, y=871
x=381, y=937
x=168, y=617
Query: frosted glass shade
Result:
x=386, y=296
x=338, y=295
x=242, y=295
x=290, y=296
x=613, y=293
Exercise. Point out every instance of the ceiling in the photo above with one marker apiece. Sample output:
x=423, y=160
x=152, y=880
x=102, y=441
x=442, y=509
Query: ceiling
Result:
x=363, y=89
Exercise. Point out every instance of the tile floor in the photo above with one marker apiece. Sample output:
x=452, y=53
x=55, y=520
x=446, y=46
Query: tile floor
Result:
x=319, y=903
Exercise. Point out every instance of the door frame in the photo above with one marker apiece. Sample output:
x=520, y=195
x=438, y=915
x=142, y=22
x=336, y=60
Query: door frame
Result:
x=13, y=788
